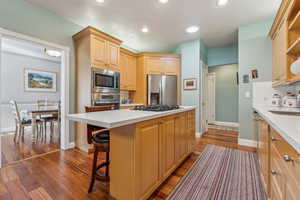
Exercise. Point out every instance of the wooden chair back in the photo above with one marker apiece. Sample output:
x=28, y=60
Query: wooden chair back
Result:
x=15, y=111
x=92, y=128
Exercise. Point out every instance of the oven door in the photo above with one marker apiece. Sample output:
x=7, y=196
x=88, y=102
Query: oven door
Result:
x=106, y=98
x=105, y=80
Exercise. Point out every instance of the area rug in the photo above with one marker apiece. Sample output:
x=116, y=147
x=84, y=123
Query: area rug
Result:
x=221, y=174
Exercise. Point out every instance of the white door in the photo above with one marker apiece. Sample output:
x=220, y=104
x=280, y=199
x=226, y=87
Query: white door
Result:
x=211, y=101
x=204, y=104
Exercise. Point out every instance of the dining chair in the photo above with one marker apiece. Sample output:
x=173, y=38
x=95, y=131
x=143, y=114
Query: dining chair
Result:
x=52, y=118
x=22, y=122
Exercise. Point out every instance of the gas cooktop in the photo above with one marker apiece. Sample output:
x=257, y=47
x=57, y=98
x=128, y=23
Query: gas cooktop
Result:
x=157, y=108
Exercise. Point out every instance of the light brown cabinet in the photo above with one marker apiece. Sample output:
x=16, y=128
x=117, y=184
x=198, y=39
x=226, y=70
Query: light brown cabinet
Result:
x=128, y=64
x=151, y=151
x=263, y=152
x=280, y=167
x=181, y=137
x=162, y=66
x=101, y=50
x=279, y=53
x=147, y=140
x=155, y=64
x=166, y=146
x=285, y=33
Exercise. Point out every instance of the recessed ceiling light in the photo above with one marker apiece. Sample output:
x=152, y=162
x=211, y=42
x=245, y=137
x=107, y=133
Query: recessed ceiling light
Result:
x=222, y=2
x=192, y=29
x=52, y=53
x=145, y=29
x=100, y=1
x=163, y=1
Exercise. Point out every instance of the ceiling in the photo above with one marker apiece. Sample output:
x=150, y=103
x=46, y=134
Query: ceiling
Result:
x=27, y=48
x=167, y=22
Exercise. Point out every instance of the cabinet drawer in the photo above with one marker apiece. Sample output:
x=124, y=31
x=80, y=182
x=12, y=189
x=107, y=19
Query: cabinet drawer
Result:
x=281, y=145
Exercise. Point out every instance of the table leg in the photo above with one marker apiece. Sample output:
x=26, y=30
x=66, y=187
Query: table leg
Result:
x=33, y=125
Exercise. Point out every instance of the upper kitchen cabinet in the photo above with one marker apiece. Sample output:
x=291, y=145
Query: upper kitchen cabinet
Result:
x=102, y=50
x=285, y=34
x=155, y=64
x=128, y=64
x=161, y=64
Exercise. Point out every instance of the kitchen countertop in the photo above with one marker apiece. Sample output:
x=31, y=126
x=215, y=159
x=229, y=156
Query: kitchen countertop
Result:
x=288, y=126
x=118, y=118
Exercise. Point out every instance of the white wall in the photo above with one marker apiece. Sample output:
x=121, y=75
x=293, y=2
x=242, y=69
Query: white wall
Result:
x=12, y=77
x=12, y=85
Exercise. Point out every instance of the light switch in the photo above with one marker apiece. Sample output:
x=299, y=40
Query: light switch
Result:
x=247, y=95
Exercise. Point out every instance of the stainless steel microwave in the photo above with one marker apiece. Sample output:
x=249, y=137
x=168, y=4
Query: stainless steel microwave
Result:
x=105, y=80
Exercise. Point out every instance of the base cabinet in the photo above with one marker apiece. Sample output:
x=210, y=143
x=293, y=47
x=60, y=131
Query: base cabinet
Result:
x=279, y=163
x=147, y=158
x=144, y=155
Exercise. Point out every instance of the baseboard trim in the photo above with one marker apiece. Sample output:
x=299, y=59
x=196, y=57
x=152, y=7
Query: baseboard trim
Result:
x=71, y=145
x=230, y=124
x=6, y=130
x=198, y=134
x=248, y=143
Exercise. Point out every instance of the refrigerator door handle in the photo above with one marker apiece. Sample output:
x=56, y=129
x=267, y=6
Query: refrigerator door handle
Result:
x=161, y=92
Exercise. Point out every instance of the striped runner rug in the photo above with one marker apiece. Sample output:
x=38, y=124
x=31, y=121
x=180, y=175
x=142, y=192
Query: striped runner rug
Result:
x=221, y=174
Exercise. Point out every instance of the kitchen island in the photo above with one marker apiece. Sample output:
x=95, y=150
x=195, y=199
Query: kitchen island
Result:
x=145, y=147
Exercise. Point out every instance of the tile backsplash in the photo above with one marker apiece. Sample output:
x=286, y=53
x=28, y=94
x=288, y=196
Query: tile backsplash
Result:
x=263, y=92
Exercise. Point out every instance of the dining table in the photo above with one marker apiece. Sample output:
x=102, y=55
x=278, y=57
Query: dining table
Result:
x=36, y=113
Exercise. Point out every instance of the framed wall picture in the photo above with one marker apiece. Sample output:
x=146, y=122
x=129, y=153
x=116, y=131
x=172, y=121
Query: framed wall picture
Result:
x=190, y=84
x=39, y=81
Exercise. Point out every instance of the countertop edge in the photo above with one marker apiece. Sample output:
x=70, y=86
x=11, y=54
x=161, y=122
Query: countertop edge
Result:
x=128, y=122
x=285, y=135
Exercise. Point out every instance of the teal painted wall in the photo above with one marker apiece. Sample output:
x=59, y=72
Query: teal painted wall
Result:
x=222, y=55
x=203, y=52
x=255, y=52
x=227, y=93
x=190, y=68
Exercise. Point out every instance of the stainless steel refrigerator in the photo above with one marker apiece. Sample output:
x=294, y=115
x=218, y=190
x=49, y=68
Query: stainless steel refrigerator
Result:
x=162, y=89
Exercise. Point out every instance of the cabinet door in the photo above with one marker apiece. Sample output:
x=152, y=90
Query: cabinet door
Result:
x=170, y=66
x=98, y=51
x=279, y=53
x=167, y=146
x=264, y=152
x=191, y=130
x=154, y=66
x=180, y=137
x=147, y=157
x=131, y=72
x=124, y=71
x=113, y=51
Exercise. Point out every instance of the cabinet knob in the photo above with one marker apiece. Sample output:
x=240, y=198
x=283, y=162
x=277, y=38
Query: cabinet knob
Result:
x=287, y=158
x=274, y=172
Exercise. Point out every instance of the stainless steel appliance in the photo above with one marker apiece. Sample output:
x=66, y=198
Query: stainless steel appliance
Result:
x=105, y=80
x=105, y=87
x=157, y=108
x=162, y=89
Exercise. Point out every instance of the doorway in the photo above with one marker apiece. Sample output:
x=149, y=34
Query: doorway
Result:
x=211, y=97
x=34, y=89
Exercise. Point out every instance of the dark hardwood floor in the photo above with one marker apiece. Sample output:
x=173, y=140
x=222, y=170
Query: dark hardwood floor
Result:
x=66, y=174
x=12, y=152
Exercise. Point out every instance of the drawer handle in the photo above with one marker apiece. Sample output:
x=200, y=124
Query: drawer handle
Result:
x=287, y=158
x=274, y=139
x=274, y=172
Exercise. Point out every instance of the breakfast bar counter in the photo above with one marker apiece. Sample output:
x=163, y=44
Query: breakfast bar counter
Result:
x=145, y=147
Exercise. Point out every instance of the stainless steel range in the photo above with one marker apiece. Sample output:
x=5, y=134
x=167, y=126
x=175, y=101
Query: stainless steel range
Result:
x=157, y=108
x=105, y=87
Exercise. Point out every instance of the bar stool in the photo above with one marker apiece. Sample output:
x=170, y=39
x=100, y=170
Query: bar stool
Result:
x=100, y=140
x=99, y=137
